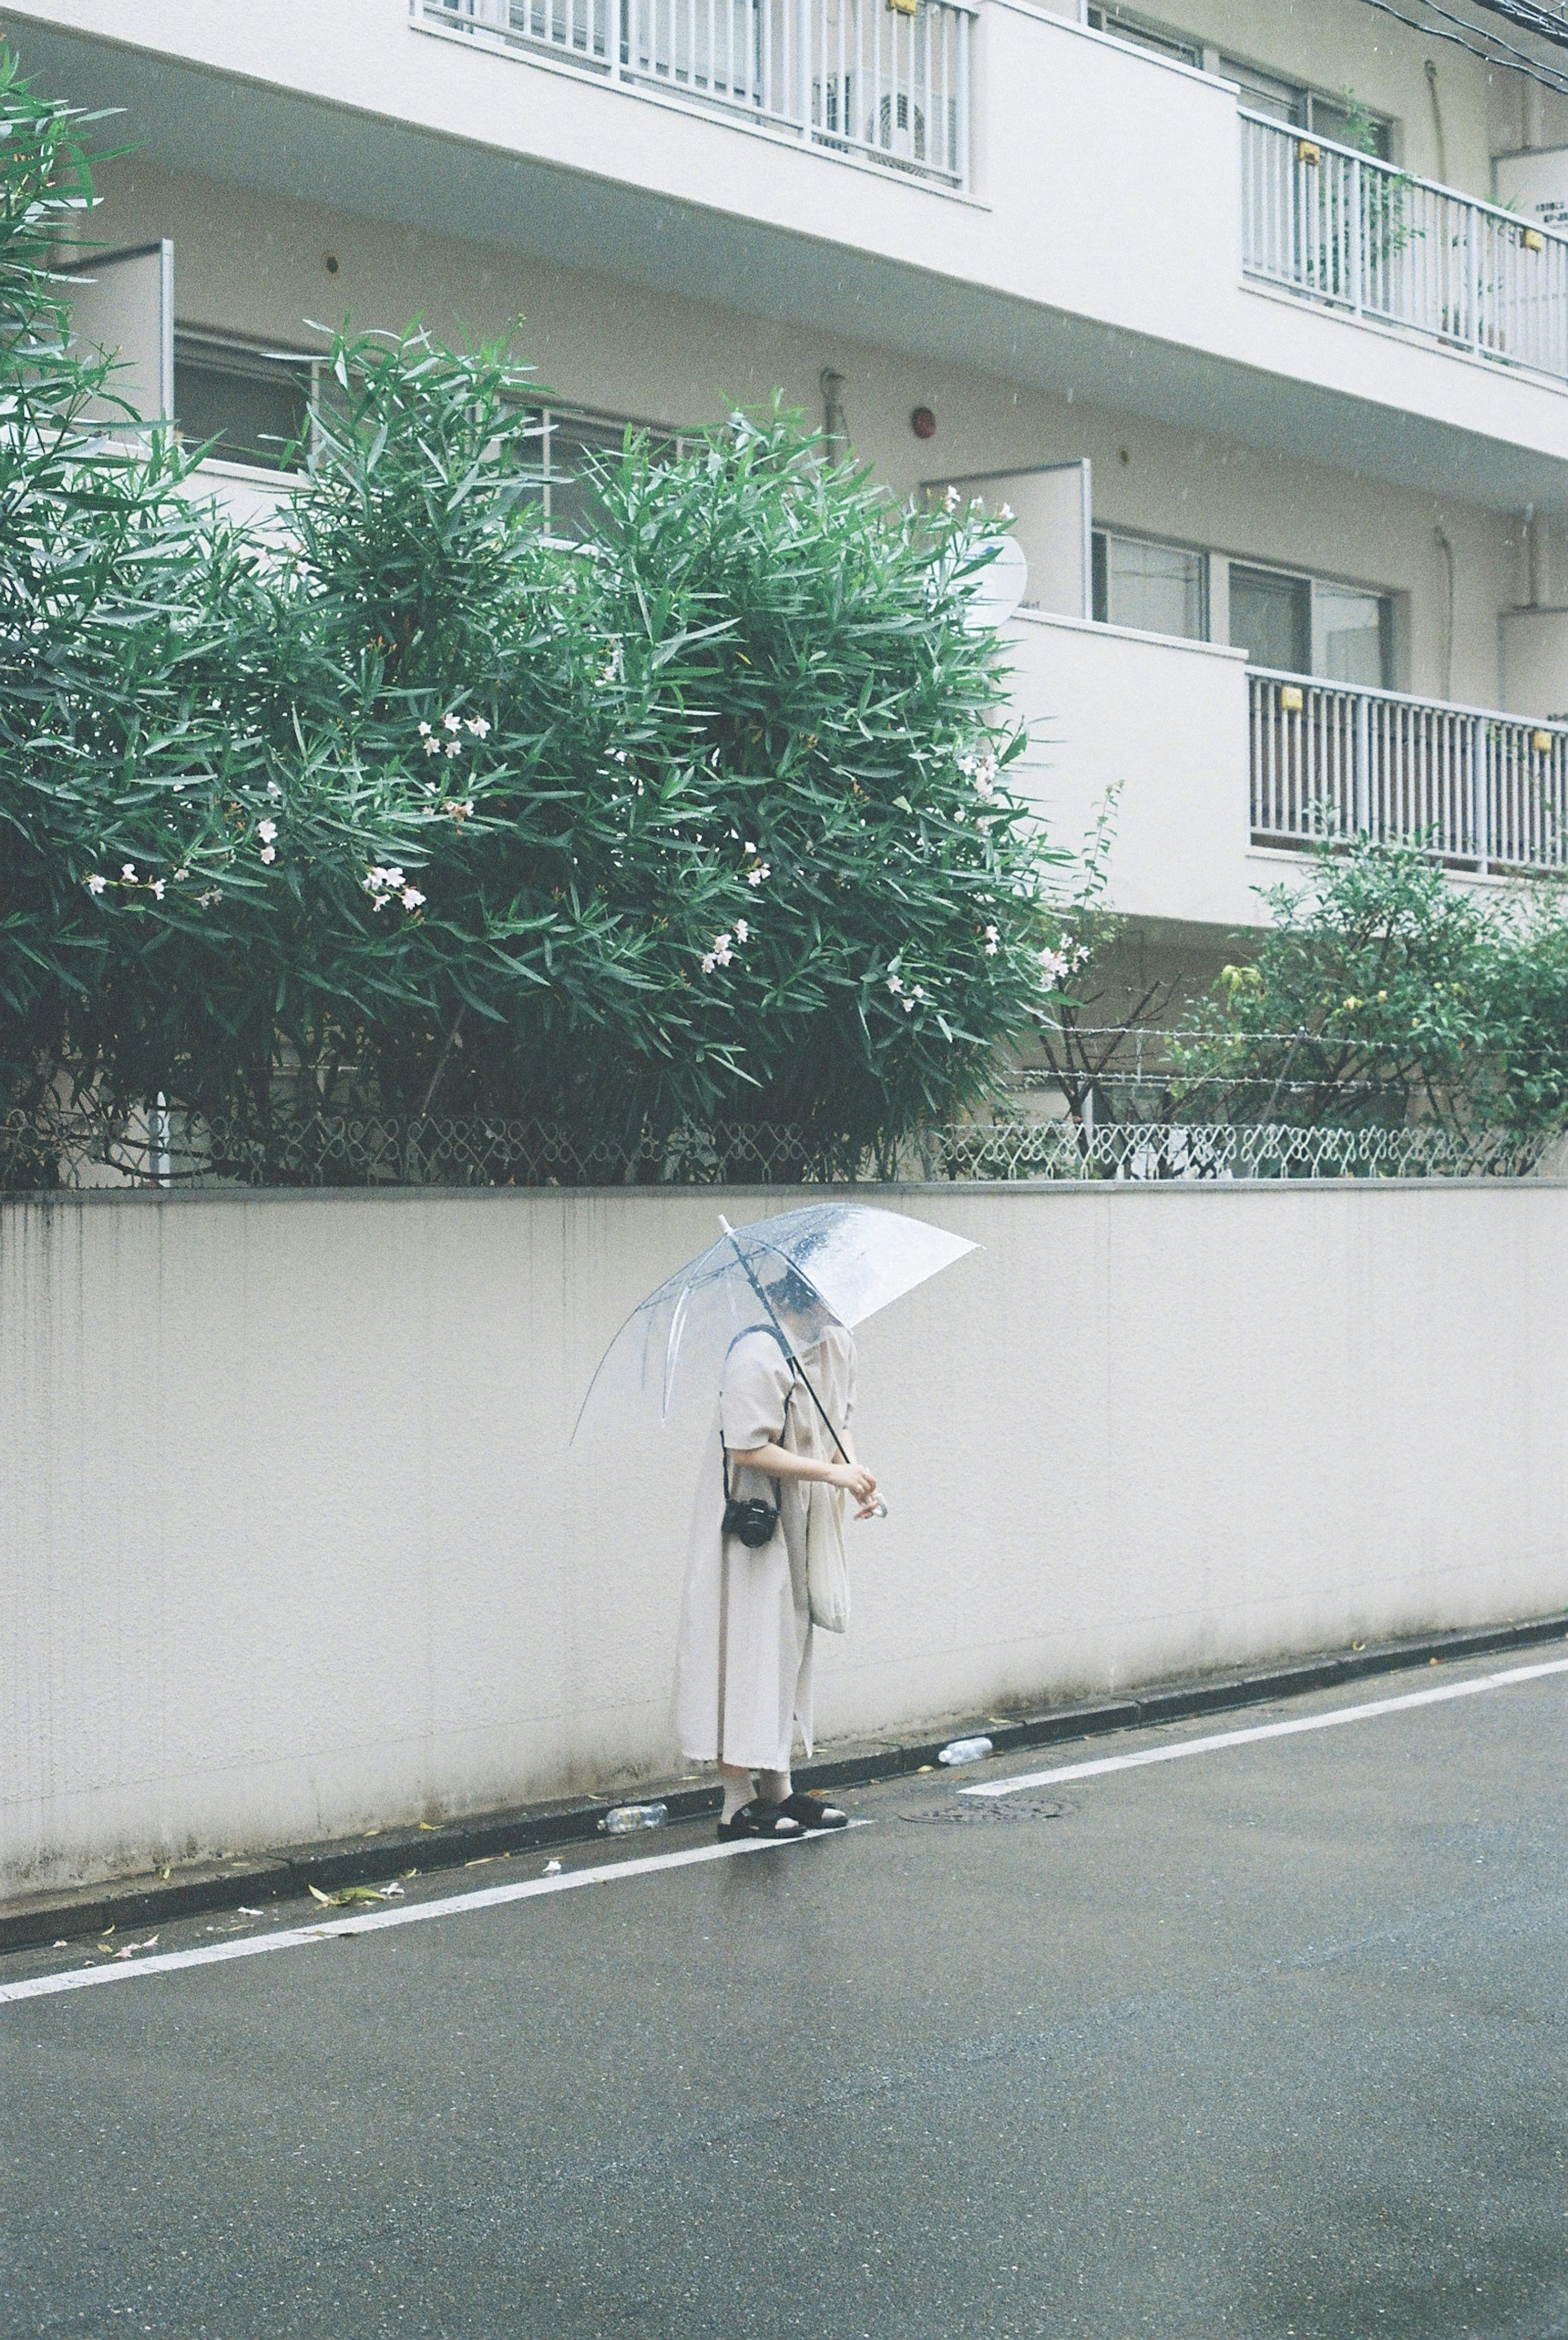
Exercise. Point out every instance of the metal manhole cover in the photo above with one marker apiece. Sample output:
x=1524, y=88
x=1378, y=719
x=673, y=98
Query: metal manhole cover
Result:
x=988, y=1808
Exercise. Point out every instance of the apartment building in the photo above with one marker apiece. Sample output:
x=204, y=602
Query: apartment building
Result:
x=1254, y=311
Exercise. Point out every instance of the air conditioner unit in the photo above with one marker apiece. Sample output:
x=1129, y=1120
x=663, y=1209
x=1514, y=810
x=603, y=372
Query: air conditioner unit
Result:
x=899, y=127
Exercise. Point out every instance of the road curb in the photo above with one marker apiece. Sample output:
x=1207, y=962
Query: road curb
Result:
x=289, y=1872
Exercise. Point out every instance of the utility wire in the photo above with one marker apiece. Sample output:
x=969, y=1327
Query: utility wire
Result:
x=1492, y=49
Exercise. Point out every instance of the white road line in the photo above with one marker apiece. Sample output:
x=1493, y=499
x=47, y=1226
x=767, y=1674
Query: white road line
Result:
x=1219, y=1740
x=373, y=1921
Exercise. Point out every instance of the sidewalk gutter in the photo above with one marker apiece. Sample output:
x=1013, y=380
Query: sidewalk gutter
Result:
x=288, y=1873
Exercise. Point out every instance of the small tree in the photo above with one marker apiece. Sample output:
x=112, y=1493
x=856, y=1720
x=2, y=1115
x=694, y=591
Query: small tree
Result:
x=1372, y=997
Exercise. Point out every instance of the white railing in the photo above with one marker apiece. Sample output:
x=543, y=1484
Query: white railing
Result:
x=864, y=77
x=1353, y=231
x=1477, y=790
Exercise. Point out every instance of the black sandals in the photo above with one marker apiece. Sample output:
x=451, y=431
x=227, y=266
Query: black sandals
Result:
x=760, y=1818
x=811, y=1812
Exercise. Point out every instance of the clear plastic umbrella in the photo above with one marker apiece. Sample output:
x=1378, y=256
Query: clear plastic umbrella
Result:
x=830, y=1263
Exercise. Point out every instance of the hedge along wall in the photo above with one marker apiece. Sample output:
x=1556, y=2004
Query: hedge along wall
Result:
x=292, y=1542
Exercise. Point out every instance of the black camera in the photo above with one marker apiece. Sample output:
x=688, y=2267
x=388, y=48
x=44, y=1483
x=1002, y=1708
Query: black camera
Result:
x=754, y=1521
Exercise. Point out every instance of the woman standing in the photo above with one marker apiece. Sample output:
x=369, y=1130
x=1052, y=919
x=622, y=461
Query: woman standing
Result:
x=743, y=1680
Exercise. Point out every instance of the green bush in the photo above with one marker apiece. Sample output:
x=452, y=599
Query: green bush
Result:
x=407, y=805
x=1384, y=993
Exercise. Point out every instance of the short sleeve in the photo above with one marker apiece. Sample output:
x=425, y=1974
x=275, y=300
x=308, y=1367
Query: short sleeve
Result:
x=755, y=1393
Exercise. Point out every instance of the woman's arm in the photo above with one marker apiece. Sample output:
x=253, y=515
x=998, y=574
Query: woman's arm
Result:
x=778, y=1462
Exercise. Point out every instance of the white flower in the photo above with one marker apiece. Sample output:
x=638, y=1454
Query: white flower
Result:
x=213, y=894
x=424, y=730
x=158, y=889
x=432, y=747
x=748, y=846
x=909, y=1007
x=957, y=812
x=742, y=931
x=96, y=883
x=451, y=722
x=269, y=853
x=455, y=747
x=720, y=954
x=411, y=898
x=273, y=790
x=756, y=874
x=480, y=726
x=895, y=985
x=266, y=830
x=1005, y=511
x=1055, y=962
x=128, y=872
x=951, y=500
x=993, y=941
x=919, y=991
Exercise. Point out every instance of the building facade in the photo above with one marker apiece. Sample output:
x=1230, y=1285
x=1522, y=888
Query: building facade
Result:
x=1254, y=311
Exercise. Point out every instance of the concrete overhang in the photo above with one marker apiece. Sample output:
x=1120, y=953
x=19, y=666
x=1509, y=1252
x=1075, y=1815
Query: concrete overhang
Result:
x=236, y=130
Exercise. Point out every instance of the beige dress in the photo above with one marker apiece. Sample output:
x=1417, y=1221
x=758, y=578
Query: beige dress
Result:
x=743, y=1664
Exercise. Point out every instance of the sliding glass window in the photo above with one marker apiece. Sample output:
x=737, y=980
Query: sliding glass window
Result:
x=1149, y=587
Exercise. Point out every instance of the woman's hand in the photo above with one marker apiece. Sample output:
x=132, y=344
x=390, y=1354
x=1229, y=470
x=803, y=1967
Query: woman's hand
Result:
x=857, y=1481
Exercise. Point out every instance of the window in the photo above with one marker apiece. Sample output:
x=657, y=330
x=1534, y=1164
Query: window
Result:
x=1271, y=618
x=1165, y=44
x=254, y=403
x=1338, y=118
x=1152, y=588
x=1306, y=625
x=1352, y=635
x=570, y=450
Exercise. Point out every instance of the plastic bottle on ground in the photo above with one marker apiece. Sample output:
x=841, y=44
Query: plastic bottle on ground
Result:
x=627, y=1819
x=965, y=1750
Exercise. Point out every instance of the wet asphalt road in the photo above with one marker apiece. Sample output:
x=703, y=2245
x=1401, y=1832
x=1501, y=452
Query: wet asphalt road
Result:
x=1268, y=2042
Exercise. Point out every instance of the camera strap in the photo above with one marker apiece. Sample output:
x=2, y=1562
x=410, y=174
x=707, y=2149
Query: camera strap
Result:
x=724, y=1461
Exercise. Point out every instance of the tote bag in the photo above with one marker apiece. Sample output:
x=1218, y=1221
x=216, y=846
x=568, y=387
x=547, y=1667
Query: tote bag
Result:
x=827, y=1577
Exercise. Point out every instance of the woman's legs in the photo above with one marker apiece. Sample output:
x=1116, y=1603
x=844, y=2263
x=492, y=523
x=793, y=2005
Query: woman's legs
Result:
x=738, y=1789
x=773, y=1787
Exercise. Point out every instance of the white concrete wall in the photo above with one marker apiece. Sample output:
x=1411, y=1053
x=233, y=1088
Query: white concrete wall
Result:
x=1165, y=724
x=291, y=1541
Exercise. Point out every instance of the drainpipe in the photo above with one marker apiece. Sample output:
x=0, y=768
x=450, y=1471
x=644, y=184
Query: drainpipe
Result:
x=1532, y=561
x=835, y=429
x=1438, y=120
x=1445, y=547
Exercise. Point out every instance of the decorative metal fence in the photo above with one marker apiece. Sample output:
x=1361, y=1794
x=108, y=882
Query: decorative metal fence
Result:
x=1353, y=231
x=368, y=1149
x=878, y=78
x=1478, y=791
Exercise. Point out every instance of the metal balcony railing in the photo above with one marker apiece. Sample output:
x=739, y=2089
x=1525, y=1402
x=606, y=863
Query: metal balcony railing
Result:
x=872, y=78
x=1477, y=790
x=1357, y=234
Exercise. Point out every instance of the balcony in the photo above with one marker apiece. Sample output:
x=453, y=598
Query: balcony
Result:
x=1218, y=766
x=1482, y=792
x=884, y=81
x=1356, y=234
